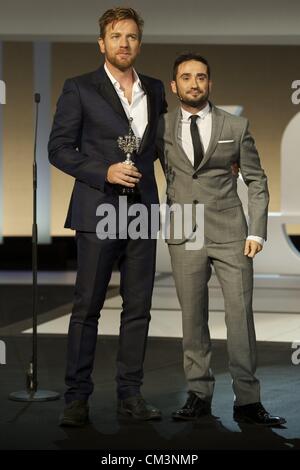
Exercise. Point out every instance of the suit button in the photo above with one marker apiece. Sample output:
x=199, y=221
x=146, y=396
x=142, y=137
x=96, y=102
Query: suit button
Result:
x=195, y=177
x=195, y=201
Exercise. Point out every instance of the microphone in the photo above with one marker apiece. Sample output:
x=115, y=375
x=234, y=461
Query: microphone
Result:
x=37, y=97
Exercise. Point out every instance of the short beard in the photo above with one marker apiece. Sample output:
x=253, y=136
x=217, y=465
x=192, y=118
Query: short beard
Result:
x=195, y=103
x=120, y=65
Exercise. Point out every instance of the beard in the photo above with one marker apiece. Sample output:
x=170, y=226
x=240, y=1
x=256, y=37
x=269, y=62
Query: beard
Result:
x=121, y=64
x=195, y=102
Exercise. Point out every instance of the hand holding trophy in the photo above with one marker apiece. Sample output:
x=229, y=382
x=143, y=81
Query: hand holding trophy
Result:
x=129, y=144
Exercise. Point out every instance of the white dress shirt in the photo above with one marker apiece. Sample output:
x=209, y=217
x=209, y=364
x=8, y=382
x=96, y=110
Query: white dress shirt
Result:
x=138, y=108
x=204, y=124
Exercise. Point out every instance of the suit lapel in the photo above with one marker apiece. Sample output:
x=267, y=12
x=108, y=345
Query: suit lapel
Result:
x=216, y=129
x=150, y=109
x=217, y=125
x=106, y=89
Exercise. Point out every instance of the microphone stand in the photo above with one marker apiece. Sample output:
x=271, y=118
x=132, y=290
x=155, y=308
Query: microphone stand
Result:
x=32, y=393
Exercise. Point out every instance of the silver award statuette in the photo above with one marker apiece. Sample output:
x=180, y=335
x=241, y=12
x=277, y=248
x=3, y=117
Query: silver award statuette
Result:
x=129, y=144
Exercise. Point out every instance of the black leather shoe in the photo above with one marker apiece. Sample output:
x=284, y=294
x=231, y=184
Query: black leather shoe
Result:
x=193, y=409
x=255, y=413
x=75, y=414
x=137, y=407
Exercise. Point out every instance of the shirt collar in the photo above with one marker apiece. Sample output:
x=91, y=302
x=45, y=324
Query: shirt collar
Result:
x=202, y=113
x=116, y=84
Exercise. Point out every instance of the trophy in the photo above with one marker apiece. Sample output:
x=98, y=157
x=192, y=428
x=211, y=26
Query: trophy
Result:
x=129, y=144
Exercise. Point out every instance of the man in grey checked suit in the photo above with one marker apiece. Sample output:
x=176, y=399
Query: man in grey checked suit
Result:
x=198, y=145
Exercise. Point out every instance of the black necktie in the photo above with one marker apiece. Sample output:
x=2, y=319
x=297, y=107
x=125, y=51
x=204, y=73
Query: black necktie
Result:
x=198, y=151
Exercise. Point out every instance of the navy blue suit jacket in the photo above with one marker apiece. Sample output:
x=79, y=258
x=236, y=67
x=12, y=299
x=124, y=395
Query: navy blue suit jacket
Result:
x=83, y=143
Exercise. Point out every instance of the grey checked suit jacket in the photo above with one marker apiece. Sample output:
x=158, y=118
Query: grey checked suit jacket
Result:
x=212, y=183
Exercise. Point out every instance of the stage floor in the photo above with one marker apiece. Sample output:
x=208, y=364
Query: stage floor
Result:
x=276, y=304
x=34, y=426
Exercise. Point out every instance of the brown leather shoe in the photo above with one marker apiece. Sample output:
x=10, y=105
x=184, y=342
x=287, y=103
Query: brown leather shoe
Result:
x=136, y=407
x=193, y=409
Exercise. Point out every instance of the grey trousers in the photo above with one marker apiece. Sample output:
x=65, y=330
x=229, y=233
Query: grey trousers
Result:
x=192, y=271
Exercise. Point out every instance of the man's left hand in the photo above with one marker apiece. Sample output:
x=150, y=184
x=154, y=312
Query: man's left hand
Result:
x=251, y=248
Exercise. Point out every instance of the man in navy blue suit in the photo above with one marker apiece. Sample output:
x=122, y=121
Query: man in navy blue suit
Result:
x=92, y=112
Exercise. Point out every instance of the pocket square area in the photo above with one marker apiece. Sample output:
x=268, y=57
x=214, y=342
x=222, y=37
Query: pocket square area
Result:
x=225, y=141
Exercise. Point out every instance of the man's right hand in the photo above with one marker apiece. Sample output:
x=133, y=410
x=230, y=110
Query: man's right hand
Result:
x=124, y=174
